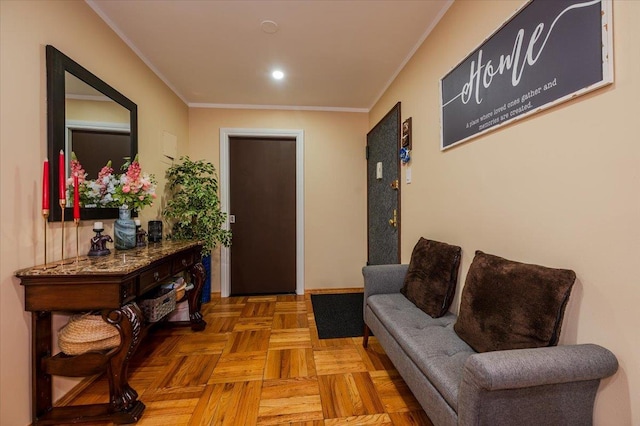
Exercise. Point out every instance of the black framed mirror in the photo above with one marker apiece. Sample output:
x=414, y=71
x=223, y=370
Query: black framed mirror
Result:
x=83, y=112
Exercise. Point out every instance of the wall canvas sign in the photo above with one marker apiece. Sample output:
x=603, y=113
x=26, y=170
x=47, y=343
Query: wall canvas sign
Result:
x=547, y=53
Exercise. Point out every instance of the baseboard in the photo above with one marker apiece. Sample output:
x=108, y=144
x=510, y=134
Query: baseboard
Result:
x=334, y=290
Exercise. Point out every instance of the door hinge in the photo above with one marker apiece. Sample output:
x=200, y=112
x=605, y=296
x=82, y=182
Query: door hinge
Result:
x=366, y=152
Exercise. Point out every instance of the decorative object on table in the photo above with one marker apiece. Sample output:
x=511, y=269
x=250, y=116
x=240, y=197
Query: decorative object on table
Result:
x=155, y=231
x=76, y=213
x=99, y=241
x=124, y=230
x=132, y=190
x=62, y=197
x=99, y=192
x=193, y=208
x=141, y=234
x=46, y=196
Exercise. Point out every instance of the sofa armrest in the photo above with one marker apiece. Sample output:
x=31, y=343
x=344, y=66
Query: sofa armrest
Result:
x=520, y=368
x=552, y=385
x=383, y=279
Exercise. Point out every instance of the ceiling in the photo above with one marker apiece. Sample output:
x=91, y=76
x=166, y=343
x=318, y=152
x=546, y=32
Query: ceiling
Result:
x=336, y=55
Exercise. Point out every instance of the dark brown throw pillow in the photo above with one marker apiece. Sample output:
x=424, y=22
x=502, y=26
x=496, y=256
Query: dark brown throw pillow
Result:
x=512, y=305
x=431, y=279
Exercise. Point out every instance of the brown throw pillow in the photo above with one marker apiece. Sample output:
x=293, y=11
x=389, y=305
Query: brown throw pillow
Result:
x=512, y=305
x=431, y=279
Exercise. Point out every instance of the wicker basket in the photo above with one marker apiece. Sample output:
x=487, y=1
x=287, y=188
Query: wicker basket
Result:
x=181, y=289
x=87, y=332
x=159, y=305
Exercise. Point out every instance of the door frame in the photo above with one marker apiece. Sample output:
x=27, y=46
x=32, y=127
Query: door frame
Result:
x=225, y=252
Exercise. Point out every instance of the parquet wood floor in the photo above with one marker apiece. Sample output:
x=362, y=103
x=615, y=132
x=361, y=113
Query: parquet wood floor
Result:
x=260, y=362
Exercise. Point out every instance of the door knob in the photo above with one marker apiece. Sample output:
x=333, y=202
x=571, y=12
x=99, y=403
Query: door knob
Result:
x=394, y=220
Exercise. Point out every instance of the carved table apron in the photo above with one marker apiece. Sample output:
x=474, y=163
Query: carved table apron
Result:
x=111, y=285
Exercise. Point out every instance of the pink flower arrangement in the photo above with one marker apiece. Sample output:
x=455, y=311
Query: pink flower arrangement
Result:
x=132, y=189
x=76, y=167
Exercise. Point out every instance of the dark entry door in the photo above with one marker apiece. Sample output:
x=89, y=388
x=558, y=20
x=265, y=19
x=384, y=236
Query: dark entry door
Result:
x=383, y=190
x=262, y=201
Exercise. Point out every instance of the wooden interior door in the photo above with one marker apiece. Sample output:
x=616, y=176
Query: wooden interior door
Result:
x=262, y=207
x=383, y=190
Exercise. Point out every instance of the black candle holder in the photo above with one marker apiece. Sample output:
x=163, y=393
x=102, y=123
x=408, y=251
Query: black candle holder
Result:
x=141, y=236
x=155, y=231
x=99, y=244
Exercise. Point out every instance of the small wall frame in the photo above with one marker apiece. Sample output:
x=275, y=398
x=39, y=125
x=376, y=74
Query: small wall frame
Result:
x=406, y=133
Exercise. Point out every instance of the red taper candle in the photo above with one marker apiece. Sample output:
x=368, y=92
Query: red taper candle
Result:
x=76, y=198
x=62, y=184
x=45, y=185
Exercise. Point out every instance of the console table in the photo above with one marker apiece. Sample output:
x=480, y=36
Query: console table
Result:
x=109, y=284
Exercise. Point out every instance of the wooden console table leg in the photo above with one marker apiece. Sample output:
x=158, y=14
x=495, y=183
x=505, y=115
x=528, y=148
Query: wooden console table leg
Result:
x=41, y=397
x=123, y=398
x=198, y=274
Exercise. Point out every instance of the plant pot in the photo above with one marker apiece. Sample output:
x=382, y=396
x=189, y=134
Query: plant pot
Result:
x=206, y=286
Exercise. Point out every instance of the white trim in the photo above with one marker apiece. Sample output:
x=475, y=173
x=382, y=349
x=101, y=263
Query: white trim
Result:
x=94, y=98
x=225, y=255
x=277, y=107
x=607, y=41
x=98, y=125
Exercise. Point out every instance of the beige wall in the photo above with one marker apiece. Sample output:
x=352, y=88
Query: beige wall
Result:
x=335, y=184
x=72, y=27
x=96, y=111
x=559, y=188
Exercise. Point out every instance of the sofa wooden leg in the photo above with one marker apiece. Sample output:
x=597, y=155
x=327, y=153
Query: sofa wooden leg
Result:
x=365, y=337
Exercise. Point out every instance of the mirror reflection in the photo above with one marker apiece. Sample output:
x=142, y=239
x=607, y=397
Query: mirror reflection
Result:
x=97, y=128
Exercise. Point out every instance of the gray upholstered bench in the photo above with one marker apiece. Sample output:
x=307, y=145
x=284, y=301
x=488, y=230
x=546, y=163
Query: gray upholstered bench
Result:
x=457, y=385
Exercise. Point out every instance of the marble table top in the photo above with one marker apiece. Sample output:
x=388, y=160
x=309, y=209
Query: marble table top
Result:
x=118, y=262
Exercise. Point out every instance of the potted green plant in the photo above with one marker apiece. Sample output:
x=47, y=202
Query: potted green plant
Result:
x=193, y=209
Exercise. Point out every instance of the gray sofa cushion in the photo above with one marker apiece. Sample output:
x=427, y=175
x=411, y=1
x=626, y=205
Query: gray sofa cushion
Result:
x=429, y=342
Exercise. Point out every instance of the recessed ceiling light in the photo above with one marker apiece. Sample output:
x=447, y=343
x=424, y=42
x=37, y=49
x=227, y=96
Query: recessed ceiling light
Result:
x=277, y=74
x=269, y=27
